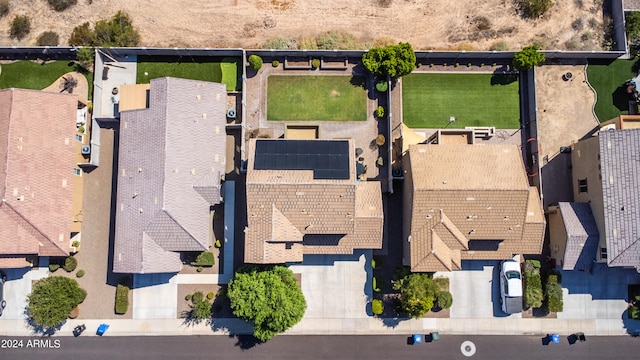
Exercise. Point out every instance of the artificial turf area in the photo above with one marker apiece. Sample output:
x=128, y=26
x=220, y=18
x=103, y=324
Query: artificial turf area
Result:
x=32, y=75
x=608, y=79
x=330, y=98
x=223, y=71
x=429, y=100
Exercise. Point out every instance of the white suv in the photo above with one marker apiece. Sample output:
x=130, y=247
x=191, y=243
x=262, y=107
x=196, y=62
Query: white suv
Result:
x=510, y=287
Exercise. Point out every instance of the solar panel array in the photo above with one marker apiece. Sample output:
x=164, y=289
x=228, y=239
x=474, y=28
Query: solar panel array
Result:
x=329, y=159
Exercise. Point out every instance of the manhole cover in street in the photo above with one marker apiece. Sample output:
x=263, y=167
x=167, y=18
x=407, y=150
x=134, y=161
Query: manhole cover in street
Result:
x=468, y=348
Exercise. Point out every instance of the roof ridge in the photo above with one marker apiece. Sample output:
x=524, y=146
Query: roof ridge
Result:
x=453, y=229
x=6, y=155
x=636, y=241
x=178, y=224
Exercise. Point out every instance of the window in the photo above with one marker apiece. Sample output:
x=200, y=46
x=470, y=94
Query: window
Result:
x=77, y=171
x=603, y=253
x=582, y=185
x=78, y=137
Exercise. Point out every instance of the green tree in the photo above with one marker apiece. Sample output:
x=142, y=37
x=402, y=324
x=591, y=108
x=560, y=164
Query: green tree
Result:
x=255, y=62
x=20, y=27
x=417, y=293
x=85, y=57
x=267, y=296
x=632, y=24
x=118, y=31
x=527, y=58
x=52, y=299
x=393, y=60
x=82, y=35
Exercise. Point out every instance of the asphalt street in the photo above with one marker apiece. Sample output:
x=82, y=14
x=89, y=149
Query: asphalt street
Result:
x=314, y=347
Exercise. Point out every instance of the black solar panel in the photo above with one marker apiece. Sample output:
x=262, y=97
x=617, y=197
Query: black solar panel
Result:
x=328, y=159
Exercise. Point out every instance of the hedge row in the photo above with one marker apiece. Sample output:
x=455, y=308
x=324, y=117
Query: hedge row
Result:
x=554, y=294
x=533, y=294
x=122, y=299
x=205, y=258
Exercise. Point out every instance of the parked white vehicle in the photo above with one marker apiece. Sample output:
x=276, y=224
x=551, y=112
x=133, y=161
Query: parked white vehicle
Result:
x=511, y=287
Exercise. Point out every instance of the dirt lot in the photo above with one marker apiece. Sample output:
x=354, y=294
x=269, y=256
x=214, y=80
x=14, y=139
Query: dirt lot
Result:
x=427, y=24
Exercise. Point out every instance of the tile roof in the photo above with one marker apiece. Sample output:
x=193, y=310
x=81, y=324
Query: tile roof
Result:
x=460, y=193
x=290, y=213
x=582, y=236
x=37, y=148
x=620, y=169
x=171, y=158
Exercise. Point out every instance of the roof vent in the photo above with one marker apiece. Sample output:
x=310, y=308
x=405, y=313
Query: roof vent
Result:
x=20, y=198
x=472, y=232
x=429, y=216
x=86, y=149
x=506, y=218
x=140, y=210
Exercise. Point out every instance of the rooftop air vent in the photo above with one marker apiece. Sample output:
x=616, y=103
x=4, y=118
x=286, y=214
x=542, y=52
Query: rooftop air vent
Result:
x=86, y=149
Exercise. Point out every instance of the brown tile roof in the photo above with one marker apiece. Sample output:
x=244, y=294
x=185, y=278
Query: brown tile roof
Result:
x=171, y=157
x=460, y=193
x=37, y=148
x=7, y=262
x=291, y=214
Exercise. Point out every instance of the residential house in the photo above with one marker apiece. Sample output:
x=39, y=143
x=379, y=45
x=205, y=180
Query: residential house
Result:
x=467, y=202
x=40, y=175
x=606, y=187
x=303, y=198
x=171, y=162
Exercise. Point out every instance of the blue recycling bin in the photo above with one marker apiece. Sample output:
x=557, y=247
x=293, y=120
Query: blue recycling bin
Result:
x=554, y=338
x=102, y=329
x=417, y=339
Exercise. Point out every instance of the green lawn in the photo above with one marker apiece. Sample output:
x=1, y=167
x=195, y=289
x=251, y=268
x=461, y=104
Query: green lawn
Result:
x=32, y=75
x=222, y=71
x=429, y=100
x=330, y=98
x=608, y=80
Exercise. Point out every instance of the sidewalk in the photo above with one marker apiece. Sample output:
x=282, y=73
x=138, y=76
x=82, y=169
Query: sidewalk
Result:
x=327, y=326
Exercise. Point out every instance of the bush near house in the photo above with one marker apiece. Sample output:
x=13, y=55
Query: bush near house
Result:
x=122, y=299
x=444, y=300
x=48, y=38
x=417, y=293
x=554, y=294
x=533, y=294
x=393, y=60
x=54, y=267
x=380, y=111
x=205, y=258
x=52, y=300
x=315, y=63
x=70, y=263
x=377, y=307
x=382, y=86
x=528, y=58
x=80, y=273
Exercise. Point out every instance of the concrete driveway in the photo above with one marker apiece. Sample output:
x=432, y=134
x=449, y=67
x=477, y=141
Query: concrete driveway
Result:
x=337, y=286
x=17, y=288
x=155, y=296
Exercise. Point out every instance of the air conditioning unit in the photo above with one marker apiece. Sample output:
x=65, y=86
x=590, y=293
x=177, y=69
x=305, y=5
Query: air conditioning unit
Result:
x=231, y=113
x=86, y=149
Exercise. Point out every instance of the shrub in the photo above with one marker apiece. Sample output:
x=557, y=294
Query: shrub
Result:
x=210, y=295
x=444, y=300
x=382, y=86
x=533, y=295
x=82, y=35
x=499, y=46
x=61, y=5
x=634, y=312
x=4, y=8
x=85, y=60
x=280, y=43
x=122, y=299
x=380, y=140
x=70, y=263
x=632, y=24
x=275, y=63
x=376, y=262
x=20, y=27
x=531, y=265
x=205, y=258
x=535, y=8
x=80, y=273
x=377, y=307
x=255, y=62
x=393, y=60
x=380, y=111
x=417, y=294
x=54, y=267
x=117, y=31
x=199, y=269
x=527, y=58
x=218, y=243
x=52, y=299
x=197, y=296
x=315, y=63
x=552, y=279
x=374, y=284
x=188, y=297
x=554, y=294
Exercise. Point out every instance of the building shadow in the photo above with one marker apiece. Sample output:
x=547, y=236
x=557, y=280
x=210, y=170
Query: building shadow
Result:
x=602, y=282
x=495, y=293
x=632, y=326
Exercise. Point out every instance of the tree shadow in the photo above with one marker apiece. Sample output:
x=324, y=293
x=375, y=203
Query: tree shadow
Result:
x=39, y=329
x=632, y=326
x=621, y=98
x=503, y=79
